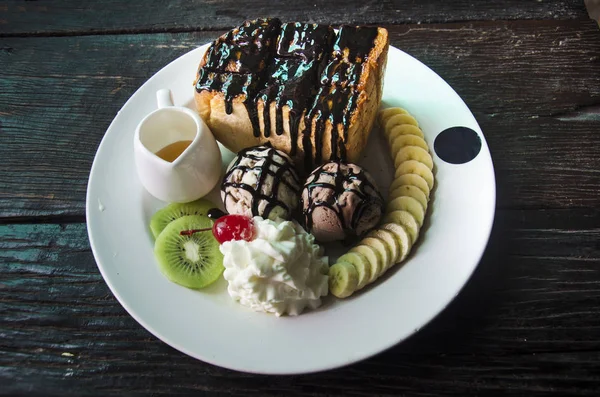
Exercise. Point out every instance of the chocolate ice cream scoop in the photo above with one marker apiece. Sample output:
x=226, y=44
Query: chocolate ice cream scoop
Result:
x=261, y=181
x=340, y=201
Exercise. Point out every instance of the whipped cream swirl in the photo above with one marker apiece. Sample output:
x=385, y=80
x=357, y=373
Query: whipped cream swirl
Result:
x=281, y=271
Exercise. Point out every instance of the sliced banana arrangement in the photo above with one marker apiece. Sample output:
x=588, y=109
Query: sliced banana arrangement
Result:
x=391, y=242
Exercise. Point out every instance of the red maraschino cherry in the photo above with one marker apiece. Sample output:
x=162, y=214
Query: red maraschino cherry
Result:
x=233, y=227
x=229, y=227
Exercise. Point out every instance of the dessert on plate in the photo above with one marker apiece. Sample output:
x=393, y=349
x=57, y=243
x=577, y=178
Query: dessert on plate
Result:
x=340, y=201
x=309, y=90
x=289, y=99
x=261, y=181
x=281, y=270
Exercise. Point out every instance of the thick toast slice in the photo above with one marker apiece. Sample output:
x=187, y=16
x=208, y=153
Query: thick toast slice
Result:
x=306, y=89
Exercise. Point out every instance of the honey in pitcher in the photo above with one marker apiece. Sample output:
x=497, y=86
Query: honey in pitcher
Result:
x=171, y=152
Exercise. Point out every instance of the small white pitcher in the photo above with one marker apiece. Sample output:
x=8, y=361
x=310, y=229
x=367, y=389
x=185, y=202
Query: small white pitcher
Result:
x=197, y=169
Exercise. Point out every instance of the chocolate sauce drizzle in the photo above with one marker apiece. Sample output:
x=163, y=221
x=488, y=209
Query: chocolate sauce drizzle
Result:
x=354, y=43
x=291, y=84
x=240, y=58
x=305, y=67
x=284, y=173
x=215, y=213
x=334, y=105
x=343, y=182
x=338, y=96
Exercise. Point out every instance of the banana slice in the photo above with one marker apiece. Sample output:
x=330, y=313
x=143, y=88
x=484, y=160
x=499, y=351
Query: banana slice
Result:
x=390, y=241
x=400, y=119
x=361, y=264
x=416, y=167
x=411, y=180
x=404, y=129
x=343, y=279
x=405, y=219
x=385, y=114
x=405, y=203
x=408, y=140
x=382, y=249
x=413, y=153
x=372, y=257
x=402, y=236
x=410, y=191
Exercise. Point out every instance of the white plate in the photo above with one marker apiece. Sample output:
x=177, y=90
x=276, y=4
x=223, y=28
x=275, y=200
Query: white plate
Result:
x=209, y=326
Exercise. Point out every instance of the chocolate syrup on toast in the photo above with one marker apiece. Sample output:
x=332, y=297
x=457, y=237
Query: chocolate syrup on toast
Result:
x=306, y=68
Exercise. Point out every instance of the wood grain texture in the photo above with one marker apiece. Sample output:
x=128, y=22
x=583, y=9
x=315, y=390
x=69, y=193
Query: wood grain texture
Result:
x=22, y=17
x=530, y=84
x=527, y=322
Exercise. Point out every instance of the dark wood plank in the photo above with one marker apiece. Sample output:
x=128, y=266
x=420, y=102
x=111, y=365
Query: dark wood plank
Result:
x=22, y=17
x=530, y=84
x=527, y=322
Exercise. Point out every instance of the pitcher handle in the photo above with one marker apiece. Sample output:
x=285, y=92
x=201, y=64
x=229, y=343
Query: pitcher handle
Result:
x=163, y=98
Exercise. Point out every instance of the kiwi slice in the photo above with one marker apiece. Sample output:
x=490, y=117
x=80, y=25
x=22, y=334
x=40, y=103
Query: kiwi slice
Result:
x=193, y=261
x=176, y=210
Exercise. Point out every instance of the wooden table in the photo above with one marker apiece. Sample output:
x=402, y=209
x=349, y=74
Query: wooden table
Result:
x=527, y=323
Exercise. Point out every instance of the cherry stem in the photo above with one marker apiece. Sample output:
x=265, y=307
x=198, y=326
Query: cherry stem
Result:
x=192, y=231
